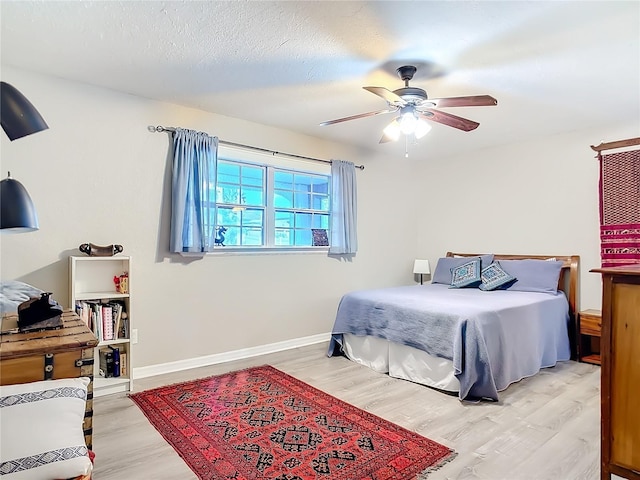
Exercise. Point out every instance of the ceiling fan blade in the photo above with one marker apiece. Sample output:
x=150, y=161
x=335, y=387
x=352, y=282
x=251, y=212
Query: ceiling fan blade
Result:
x=450, y=120
x=471, y=101
x=355, y=117
x=387, y=94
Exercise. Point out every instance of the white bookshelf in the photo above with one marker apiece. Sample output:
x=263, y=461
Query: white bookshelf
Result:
x=91, y=281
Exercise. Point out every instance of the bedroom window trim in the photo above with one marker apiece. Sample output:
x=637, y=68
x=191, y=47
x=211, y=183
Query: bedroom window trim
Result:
x=271, y=166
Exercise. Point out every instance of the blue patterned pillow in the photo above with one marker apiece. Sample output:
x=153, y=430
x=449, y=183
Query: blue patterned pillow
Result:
x=494, y=276
x=466, y=275
x=445, y=266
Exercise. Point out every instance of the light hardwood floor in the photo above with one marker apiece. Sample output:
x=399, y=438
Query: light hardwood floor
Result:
x=544, y=427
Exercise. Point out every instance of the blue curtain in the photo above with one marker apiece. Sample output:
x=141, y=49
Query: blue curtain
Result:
x=193, y=192
x=344, y=202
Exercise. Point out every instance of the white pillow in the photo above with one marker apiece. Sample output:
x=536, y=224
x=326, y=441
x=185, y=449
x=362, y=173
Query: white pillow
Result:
x=41, y=430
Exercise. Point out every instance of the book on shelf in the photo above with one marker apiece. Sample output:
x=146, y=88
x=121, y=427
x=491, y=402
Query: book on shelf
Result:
x=115, y=353
x=123, y=364
x=96, y=319
x=119, y=312
x=125, y=325
x=107, y=321
x=117, y=319
x=82, y=309
x=106, y=362
x=86, y=313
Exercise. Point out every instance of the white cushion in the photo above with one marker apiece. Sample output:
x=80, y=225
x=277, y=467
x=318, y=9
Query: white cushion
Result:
x=41, y=434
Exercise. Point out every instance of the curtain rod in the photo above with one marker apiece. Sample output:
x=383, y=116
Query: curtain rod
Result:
x=161, y=129
x=618, y=144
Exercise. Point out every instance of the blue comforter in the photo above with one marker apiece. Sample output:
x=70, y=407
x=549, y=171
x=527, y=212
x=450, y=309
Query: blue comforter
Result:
x=493, y=338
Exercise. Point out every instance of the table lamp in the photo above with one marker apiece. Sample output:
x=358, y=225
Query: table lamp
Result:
x=421, y=267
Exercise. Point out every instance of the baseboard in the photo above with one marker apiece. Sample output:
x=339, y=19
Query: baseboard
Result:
x=177, y=366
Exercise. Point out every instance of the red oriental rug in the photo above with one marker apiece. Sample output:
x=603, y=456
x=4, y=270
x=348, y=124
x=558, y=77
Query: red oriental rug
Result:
x=261, y=423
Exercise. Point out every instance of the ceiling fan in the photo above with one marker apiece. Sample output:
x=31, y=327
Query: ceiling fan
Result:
x=415, y=107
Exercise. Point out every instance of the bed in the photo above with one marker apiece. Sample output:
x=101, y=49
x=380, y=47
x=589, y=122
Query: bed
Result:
x=466, y=341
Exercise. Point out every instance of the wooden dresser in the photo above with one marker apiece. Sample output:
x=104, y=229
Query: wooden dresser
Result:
x=620, y=355
x=49, y=355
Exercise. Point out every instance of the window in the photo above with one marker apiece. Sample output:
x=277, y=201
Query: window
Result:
x=270, y=206
x=240, y=203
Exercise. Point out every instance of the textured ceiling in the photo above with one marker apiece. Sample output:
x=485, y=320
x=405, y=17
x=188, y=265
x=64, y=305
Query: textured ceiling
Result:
x=554, y=67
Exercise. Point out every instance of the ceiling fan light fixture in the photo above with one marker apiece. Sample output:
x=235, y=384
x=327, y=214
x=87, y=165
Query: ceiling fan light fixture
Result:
x=408, y=121
x=415, y=107
x=422, y=128
x=392, y=131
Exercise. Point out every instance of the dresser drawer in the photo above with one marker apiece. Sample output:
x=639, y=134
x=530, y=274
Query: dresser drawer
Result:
x=590, y=324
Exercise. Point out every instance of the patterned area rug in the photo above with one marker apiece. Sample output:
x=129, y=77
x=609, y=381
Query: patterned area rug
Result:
x=261, y=423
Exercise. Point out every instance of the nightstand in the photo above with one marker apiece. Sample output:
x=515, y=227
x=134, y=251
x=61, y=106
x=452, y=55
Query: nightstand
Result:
x=589, y=327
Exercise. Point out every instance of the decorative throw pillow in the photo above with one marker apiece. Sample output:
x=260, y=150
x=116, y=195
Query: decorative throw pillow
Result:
x=41, y=434
x=466, y=275
x=533, y=275
x=445, y=265
x=494, y=277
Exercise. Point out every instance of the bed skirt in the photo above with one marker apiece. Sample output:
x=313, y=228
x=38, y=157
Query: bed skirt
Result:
x=401, y=361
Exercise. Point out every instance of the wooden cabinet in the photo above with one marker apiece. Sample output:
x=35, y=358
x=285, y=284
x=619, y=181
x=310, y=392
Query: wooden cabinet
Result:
x=589, y=332
x=620, y=354
x=93, y=291
x=51, y=354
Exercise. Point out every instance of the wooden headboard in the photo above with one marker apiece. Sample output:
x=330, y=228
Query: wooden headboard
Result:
x=568, y=282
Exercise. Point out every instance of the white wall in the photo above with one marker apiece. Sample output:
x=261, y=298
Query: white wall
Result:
x=539, y=197
x=98, y=175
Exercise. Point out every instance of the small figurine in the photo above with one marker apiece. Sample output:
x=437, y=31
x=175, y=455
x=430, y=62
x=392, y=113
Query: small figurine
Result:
x=220, y=231
x=122, y=283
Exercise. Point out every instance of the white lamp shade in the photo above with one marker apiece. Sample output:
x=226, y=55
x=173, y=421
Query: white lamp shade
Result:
x=408, y=122
x=422, y=128
x=421, y=266
x=392, y=131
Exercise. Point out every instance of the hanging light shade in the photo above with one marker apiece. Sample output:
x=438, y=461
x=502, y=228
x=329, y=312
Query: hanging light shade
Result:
x=18, y=116
x=17, y=212
x=422, y=128
x=391, y=132
x=408, y=120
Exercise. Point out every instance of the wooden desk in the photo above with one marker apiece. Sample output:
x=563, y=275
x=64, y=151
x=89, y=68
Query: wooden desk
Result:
x=49, y=355
x=620, y=445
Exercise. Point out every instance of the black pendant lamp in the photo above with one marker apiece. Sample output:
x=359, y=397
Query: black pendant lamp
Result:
x=17, y=212
x=19, y=117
